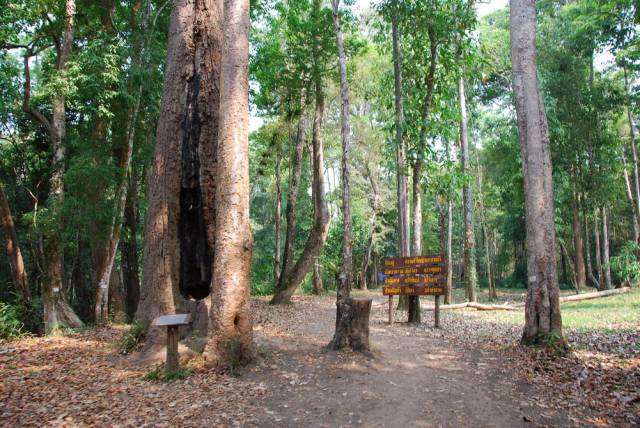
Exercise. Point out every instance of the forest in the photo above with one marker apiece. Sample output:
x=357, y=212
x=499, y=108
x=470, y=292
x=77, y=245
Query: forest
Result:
x=255, y=165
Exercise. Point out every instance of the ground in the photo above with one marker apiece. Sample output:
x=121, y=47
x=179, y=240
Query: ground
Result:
x=468, y=373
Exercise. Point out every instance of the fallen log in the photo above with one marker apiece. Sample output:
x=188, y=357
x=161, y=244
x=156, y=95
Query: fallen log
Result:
x=594, y=295
x=520, y=306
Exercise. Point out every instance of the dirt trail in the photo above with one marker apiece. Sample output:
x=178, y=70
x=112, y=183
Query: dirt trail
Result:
x=417, y=378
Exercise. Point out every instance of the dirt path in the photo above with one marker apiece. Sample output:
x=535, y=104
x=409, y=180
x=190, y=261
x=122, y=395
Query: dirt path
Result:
x=417, y=379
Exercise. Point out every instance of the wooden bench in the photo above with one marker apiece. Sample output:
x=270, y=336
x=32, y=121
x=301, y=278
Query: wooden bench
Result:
x=172, y=322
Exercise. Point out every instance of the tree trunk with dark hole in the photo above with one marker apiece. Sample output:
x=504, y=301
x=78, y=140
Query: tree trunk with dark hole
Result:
x=16, y=263
x=542, y=312
x=181, y=225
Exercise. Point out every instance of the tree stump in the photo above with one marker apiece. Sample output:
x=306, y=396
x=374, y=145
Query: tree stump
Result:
x=352, y=325
x=358, y=336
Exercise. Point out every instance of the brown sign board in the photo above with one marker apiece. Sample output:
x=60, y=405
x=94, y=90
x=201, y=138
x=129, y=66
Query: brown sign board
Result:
x=423, y=270
x=413, y=261
x=413, y=290
x=412, y=280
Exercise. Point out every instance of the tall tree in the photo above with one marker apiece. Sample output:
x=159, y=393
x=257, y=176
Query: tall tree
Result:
x=542, y=311
x=343, y=297
x=231, y=338
x=16, y=262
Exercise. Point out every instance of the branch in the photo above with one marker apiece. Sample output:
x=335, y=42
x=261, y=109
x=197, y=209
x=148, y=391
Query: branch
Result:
x=26, y=107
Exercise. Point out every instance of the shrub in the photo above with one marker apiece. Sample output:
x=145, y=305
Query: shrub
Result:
x=10, y=324
x=132, y=338
x=625, y=265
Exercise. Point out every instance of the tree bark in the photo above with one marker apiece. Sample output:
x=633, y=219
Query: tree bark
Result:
x=467, y=201
x=295, y=172
x=318, y=286
x=231, y=337
x=18, y=273
x=596, y=236
x=588, y=253
x=581, y=274
x=57, y=312
x=605, y=250
x=278, y=223
x=129, y=252
x=181, y=225
x=485, y=234
x=403, y=208
x=448, y=297
x=542, y=313
x=343, y=296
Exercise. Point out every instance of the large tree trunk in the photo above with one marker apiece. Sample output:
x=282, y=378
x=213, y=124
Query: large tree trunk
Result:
x=231, y=337
x=542, y=312
x=181, y=225
x=467, y=201
x=605, y=251
x=18, y=273
x=581, y=273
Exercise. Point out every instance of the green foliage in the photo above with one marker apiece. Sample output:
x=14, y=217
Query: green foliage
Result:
x=159, y=374
x=10, y=325
x=132, y=338
x=625, y=265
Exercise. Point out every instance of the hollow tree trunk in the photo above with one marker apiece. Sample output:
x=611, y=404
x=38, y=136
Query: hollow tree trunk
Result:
x=18, y=273
x=181, y=225
x=467, y=201
x=542, y=312
x=231, y=337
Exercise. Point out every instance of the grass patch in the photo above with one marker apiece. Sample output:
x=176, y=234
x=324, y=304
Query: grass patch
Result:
x=158, y=374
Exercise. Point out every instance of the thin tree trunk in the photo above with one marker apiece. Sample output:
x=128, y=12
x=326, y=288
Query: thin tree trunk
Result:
x=467, y=201
x=292, y=279
x=485, y=234
x=295, y=172
x=318, y=287
x=542, y=311
x=596, y=236
x=129, y=252
x=634, y=152
x=374, y=203
x=581, y=275
x=231, y=338
x=278, y=223
x=57, y=311
x=630, y=192
x=343, y=296
x=605, y=250
x=18, y=273
x=588, y=253
x=403, y=209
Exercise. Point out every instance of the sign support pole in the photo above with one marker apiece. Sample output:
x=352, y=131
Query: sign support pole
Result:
x=390, y=310
x=437, y=312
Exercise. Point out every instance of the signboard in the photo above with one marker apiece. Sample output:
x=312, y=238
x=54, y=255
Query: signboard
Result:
x=413, y=261
x=413, y=290
x=414, y=276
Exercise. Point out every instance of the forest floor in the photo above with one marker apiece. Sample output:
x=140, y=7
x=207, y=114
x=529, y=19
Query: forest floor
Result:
x=468, y=373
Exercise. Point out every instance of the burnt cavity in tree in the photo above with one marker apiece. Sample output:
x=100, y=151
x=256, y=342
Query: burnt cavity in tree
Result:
x=195, y=258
